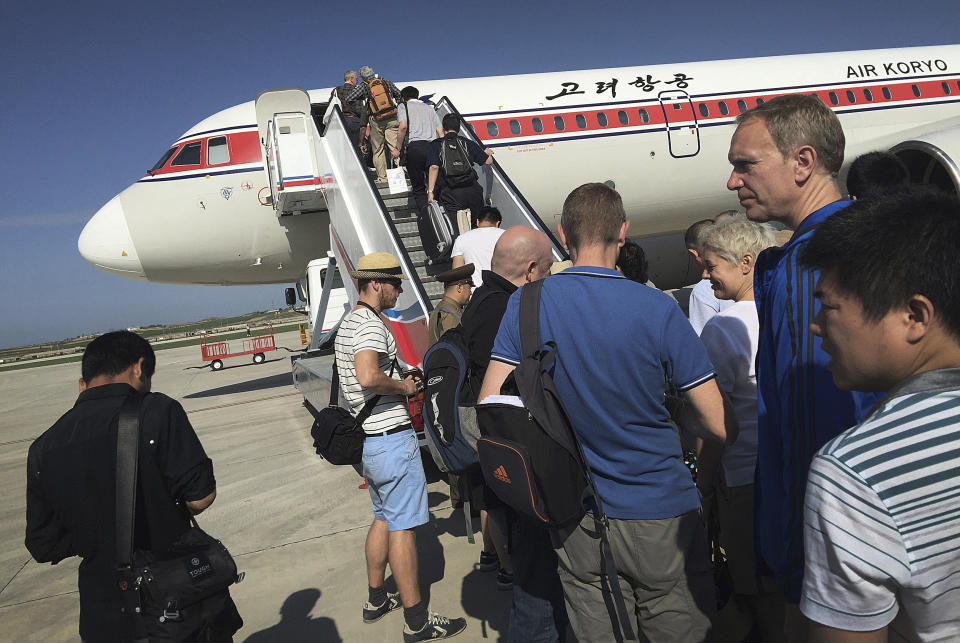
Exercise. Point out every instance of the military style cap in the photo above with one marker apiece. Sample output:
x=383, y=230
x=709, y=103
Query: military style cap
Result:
x=456, y=276
x=378, y=265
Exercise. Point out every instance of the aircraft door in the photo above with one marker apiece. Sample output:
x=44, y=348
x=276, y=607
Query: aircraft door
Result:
x=683, y=131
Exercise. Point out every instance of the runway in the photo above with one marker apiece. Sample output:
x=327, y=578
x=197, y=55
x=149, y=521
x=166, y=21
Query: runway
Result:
x=295, y=524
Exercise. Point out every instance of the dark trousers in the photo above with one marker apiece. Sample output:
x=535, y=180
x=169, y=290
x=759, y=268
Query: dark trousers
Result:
x=417, y=171
x=469, y=196
x=538, y=613
x=353, y=129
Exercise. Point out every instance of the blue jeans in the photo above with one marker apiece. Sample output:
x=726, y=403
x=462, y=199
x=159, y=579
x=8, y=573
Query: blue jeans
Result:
x=538, y=614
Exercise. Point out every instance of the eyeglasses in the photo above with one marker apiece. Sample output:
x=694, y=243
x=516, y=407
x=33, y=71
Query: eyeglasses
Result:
x=393, y=282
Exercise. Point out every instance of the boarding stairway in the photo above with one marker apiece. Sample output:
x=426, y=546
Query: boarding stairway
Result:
x=314, y=170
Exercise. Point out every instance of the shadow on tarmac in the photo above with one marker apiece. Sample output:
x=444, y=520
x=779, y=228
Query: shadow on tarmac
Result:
x=259, y=384
x=296, y=625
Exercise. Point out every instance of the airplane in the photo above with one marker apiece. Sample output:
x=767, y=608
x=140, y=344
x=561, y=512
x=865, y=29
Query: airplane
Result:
x=659, y=134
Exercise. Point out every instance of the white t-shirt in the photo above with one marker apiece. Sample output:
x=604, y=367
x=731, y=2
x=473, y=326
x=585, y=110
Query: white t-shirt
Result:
x=731, y=341
x=476, y=247
x=704, y=305
x=363, y=330
x=882, y=522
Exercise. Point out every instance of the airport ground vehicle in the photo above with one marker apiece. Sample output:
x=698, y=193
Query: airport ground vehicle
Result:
x=213, y=349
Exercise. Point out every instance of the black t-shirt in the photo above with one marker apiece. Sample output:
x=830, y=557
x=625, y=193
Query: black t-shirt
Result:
x=71, y=478
x=481, y=320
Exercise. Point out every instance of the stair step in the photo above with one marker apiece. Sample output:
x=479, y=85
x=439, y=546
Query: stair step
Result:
x=405, y=229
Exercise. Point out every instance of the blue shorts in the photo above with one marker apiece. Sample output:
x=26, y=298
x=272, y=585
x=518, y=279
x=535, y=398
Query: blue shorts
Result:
x=398, y=486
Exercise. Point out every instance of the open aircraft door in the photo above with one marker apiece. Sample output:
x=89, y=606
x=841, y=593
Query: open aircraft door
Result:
x=683, y=131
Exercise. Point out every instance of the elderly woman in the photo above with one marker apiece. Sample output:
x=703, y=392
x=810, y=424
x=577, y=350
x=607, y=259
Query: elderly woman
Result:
x=730, y=250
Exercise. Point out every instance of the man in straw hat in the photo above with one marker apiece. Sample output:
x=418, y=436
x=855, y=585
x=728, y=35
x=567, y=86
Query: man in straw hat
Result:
x=456, y=293
x=366, y=354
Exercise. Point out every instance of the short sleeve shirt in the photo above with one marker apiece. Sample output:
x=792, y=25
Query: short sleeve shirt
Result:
x=476, y=247
x=618, y=344
x=423, y=122
x=882, y=519
x=71, y=484
x=359, y=331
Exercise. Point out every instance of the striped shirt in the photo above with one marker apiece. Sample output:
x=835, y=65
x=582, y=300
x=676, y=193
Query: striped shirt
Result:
x=363, y=330
x=882, y=521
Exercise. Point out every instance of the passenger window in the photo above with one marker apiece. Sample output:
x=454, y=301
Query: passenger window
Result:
x=492, y=128
x=760, y=102
x=704, y=110
x=602, y=119
x=916, y=90
x=851, y=97
x=163, y=159
x=886, y=93
x=189, y=155
x=834, y=99
x=644, y=115
x=514, y=126
x=559, y=124
x=537, y=125
x=724, y=110
x=741, y=106
x=217, y=151
x=946, y=87
x=868, y=95
x=581, y=121
x=622, y=117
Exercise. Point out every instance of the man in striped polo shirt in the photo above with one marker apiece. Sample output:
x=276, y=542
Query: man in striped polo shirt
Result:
x=366, y=354
x=882, y=521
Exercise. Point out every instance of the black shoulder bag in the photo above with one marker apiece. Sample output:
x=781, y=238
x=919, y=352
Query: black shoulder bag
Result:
x=156, y=586
x=337, y=435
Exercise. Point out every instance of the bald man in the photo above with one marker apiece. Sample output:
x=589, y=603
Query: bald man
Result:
x=521, y=255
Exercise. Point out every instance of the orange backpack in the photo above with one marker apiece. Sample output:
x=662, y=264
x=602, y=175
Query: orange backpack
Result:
x=382, y=105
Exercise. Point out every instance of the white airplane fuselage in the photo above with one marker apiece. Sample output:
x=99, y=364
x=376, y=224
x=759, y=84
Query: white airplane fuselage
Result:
x=659, y=133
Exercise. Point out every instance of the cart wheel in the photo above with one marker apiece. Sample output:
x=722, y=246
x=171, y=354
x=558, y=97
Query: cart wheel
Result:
x=259, y=358
x=216, y=365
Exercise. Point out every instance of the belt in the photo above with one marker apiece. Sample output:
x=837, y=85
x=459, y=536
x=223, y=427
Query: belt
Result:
x=396, y=429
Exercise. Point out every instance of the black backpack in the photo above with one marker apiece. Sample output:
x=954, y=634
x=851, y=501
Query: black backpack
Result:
x=457, y=167
x=530, y=455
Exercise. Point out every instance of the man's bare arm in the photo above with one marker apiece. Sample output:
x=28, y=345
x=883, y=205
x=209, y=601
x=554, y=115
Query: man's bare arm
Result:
x=497, y=373
x=825, y=634
x=710, y=416
x=370, y=377
x=458, y=261
x=433, y=173
x=197, y=506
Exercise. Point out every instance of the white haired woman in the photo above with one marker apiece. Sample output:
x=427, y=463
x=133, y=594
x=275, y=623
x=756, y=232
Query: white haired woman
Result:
x=730, y=251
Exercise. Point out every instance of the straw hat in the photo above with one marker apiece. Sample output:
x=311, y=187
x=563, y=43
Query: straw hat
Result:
x=560, y=266
x=378, y=265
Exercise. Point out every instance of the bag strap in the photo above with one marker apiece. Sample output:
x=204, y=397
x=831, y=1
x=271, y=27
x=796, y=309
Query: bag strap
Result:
x=531, y=341
x=128, y=444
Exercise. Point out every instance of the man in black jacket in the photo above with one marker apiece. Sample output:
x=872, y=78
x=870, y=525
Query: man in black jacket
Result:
x=71, y=487
x=522, y=255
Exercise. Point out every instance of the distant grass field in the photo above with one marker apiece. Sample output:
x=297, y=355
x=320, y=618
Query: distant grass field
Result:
x=76, y=345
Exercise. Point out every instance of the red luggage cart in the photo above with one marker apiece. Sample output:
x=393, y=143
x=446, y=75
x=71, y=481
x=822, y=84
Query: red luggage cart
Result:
x=214, y=350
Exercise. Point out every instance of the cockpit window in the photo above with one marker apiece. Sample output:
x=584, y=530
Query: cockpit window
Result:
x=189, y=155
x=163, y=160
x=217, y=151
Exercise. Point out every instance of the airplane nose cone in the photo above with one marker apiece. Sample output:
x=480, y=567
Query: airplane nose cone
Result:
x=106, y=244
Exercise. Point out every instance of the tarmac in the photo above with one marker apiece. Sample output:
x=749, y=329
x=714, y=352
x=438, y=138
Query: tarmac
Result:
x=294, y=523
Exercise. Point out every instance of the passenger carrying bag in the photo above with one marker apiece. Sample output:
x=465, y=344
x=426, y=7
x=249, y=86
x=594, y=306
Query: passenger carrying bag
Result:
x=457, y=167
x=382, y=104
x=444, y=374
x=530, y=454
x=158, y=586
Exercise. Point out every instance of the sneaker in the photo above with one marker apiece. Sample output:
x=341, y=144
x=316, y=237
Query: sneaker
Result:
x=437, y=627
x=504, y=579
x=489, y=561
x=372, y=614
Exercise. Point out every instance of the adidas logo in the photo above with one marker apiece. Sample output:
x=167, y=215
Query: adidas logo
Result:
x=501, y=474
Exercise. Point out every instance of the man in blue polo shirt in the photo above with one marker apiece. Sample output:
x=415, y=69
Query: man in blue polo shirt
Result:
x=786, y=154
x=618, y=345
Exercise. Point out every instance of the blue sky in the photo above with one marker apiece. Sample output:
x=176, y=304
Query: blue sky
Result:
x=94, y=93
